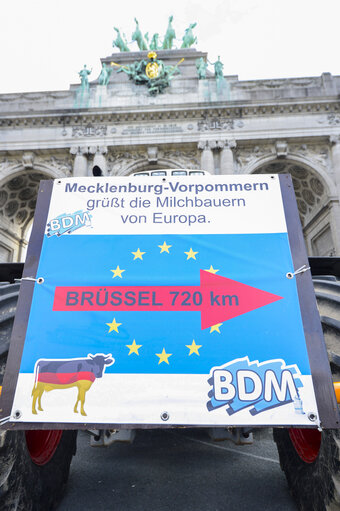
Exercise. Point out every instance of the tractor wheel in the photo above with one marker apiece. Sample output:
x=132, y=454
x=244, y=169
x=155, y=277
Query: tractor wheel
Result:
x=34, y=465
x=311, y=459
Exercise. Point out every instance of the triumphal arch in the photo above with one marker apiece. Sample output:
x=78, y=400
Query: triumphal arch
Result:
x=167, y=107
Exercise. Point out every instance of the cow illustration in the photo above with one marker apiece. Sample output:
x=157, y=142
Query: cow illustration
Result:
x=64, y=374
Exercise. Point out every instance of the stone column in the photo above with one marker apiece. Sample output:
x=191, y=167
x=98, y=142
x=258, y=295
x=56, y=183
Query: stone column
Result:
x=80, y=161
x=335, y=210
x=99, y=159
x=335, y=141
x=227, y=156
x=207, y=157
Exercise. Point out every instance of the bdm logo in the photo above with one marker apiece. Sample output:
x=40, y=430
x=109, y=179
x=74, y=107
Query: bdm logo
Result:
x=241, y=384
x=68, y=223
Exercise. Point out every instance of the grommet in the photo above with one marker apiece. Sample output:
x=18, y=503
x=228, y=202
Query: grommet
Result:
x=312, y=416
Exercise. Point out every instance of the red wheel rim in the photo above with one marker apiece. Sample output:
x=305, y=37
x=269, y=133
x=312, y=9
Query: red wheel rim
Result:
x=306, y=442
x=42, y=444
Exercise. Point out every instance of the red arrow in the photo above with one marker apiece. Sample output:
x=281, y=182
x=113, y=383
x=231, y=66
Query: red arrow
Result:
x=217, y=298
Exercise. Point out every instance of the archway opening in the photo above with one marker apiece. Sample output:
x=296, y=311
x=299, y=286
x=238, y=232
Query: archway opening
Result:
x=18, y=197
x=312, y=199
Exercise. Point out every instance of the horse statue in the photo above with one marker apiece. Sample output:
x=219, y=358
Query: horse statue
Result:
x=119, y=41
x=138, y=37
x=189, y=39
x=169, y=35
x=154, y=45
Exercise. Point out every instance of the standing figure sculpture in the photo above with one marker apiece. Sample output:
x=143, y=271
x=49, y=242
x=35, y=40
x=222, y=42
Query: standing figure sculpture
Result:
x=83, y=74
x=169, y=35
x=201, y=66
x=222, y=86
x=105, y=74
x=119, y=42
x=138, y=37
x=218, y=67
x=189, y=39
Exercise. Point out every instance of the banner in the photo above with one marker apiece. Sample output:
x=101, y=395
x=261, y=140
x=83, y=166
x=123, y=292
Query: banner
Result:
x=166, y=300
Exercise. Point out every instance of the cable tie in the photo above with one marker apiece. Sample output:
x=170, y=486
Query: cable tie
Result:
x=303, y=268
x=4, y=420
x=39, y=280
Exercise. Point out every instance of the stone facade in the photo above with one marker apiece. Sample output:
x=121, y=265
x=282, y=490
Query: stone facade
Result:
x=261, y=126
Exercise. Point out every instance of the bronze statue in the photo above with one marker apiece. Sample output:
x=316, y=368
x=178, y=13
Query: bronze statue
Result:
x=83, y=74
x=169, y=35
x=138, y=37
x=218, y=67
x=189, y=39
x=154, y=74
x=201, y=66
x=119, y=42
x=105, y=74
x=154, y=45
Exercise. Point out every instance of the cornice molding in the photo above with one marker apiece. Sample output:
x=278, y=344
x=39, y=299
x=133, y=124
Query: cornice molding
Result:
x=331, y=108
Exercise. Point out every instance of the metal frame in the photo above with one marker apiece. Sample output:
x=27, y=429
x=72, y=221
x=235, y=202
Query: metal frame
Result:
x=318, y=360
x=321, y=374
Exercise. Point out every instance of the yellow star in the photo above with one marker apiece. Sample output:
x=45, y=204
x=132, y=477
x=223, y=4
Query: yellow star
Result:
x=163, y=357
x=191, y=254
x=165, y=248
x=113, y=326
x=117, y=272
x=133, y=347
x=216, y=328
x=212, y=270
x=193, y=347
x=138, y=254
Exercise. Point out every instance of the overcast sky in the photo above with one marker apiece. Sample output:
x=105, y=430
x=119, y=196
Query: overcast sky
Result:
x=45, y=43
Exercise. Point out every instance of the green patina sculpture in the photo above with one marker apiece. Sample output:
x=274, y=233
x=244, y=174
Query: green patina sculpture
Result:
x=189, y=39
x=201, y=66
x=153, y=73
x=119, y=42
x=83, y=74
x=222, y=85
x=105, y=74
x=218, y=67
x=138, y=37
x=170, y=35
x=154, y=45
x=144, y=43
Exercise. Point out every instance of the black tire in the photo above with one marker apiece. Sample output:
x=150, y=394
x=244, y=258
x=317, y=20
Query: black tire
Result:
x=315, y=483
x=24, y=484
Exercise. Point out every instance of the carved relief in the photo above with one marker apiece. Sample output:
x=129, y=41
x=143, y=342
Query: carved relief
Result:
x=249, y=154
x=35, y=96
x=278, y=83
x=217, y=123
x=331, y=119
x=318, y=153
x=65, y=165
x=118, y=162
x=89, y=131
x=27, y=160
x=184, y=158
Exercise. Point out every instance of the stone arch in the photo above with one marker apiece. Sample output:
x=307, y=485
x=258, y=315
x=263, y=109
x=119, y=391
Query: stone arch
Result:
x=139, y=166
x=18, y=192
x=314, y=195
